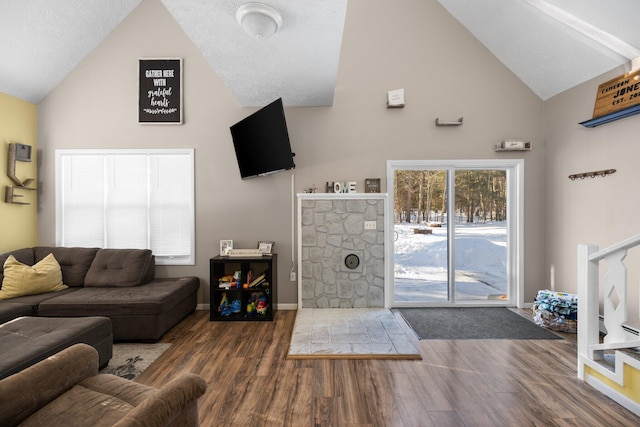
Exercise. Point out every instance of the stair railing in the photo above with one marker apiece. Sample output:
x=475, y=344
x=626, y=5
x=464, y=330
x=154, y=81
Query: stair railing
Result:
x=614, y=302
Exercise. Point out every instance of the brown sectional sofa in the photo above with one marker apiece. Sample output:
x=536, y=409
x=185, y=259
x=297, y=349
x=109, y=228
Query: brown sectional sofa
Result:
x=115, y=283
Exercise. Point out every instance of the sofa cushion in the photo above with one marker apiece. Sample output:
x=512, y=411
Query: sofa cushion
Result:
x=25, y=256
x=34, y=301
x=10, y=310
x=119, y=268
x=153, y=298
x=94, y=408
x=21, y=279
x=74, y=262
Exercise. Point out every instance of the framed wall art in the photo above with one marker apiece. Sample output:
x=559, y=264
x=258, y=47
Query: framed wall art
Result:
x=160, y=91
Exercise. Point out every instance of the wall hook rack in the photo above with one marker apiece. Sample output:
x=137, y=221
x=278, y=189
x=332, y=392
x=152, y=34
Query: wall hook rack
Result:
x=593, y=174
x=439, y=123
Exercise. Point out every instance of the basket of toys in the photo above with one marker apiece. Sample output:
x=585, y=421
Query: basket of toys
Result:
x=556, y=311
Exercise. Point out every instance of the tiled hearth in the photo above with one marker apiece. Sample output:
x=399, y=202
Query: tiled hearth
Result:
x=352, y=333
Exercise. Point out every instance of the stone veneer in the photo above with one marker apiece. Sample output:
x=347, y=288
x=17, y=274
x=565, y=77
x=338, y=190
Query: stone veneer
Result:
x=330, y=229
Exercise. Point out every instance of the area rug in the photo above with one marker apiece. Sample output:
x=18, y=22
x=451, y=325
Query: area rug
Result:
x=467, y=323
x=351, y=333
x=130, y=360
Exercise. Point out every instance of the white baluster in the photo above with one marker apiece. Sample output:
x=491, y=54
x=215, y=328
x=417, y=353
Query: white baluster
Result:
x=588, y=300
x=615, y=312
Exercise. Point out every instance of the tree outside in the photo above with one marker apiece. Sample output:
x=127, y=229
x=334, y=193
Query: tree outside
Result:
x=421, y=263
x=420, y=196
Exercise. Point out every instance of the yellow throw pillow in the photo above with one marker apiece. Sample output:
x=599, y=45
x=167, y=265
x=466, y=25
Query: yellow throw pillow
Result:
x=21, y=279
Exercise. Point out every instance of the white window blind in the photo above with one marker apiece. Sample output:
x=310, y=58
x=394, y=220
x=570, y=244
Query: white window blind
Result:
x=141, y=199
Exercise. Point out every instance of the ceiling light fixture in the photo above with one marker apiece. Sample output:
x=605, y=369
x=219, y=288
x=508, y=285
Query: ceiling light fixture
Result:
x=259, y=20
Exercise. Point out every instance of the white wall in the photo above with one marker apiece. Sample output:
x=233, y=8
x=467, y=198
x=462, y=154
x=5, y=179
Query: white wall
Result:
x=600, y=211
x=410, y=44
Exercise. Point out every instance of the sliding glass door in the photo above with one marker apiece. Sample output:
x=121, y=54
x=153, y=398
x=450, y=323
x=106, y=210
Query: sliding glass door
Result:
x=455, y=232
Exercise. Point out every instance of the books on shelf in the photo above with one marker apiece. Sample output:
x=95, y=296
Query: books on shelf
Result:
x=258, y=280
x=229, y=281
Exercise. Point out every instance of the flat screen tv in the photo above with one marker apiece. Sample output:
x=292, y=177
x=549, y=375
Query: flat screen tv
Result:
x=261, y=141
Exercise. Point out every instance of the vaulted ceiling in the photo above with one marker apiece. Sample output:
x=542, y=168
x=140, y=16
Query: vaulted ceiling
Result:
x=551, y=45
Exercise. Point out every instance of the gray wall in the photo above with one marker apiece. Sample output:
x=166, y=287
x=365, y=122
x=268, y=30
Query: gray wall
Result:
x=410, y=44
x=600, y=211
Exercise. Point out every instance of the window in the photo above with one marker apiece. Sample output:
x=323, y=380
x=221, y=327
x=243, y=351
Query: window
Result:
x=141, y=199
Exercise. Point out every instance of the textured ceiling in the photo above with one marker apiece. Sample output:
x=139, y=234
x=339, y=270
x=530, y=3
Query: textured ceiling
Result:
x=41, y=41
x=551, y=45
x=298, y=63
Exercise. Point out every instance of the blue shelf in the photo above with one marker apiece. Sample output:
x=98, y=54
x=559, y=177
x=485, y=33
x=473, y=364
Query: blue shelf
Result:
x=629, y=111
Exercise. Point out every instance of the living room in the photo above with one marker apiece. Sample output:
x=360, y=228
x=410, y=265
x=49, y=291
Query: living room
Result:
x=445, y=71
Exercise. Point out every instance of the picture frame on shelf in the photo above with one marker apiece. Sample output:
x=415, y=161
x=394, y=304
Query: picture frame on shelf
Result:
x=265, y=247
x=372, y=185
x=225, y=246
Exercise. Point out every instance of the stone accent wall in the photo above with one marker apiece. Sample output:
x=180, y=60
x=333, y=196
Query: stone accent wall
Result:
x=330, y=230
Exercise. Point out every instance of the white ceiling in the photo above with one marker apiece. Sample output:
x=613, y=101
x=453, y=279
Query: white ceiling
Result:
x=551, y=45
x=554, y=45
x=41, y=41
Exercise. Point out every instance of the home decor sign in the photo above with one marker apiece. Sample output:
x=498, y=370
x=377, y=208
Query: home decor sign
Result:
x=341, y=187
x=160, y=91
x=617, y=94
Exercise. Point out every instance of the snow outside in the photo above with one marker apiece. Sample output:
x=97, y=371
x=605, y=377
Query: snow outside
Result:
x=420, y=270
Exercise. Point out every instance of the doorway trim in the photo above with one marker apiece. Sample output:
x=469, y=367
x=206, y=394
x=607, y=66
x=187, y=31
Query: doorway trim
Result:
x=515, y=209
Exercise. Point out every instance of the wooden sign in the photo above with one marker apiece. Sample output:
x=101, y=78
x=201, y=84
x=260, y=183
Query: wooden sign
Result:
x=617, y=94
x=160, y=91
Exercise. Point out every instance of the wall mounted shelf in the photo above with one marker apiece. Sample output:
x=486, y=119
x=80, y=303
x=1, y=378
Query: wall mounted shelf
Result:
x=611, y=117
x=439, y=123
x=10, y=196
x=500, y=146
x=22, y=153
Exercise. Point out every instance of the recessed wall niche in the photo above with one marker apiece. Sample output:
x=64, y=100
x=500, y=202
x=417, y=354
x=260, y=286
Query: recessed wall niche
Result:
x=341, y=261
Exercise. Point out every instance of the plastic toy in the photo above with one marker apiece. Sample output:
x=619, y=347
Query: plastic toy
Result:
x=255, y=296
x=261, y=306
x=237, y=276
x=224, y=307
x=236, y=306
x=251, y=309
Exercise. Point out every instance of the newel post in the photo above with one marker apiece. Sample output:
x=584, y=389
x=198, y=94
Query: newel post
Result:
x=588, y=303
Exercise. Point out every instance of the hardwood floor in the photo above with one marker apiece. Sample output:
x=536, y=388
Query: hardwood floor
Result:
x=458, y=383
